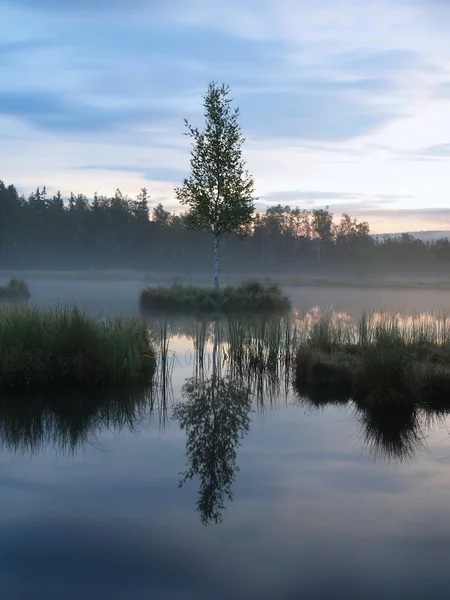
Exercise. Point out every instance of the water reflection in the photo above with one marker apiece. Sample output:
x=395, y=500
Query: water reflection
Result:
x=214, y=413
x=215, y=416
x=392, y=432
x=393, y=427
x=240, y=366
x=396, y=433
x=68, y=421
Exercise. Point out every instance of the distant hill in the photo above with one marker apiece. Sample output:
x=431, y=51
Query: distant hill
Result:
x=425, y=236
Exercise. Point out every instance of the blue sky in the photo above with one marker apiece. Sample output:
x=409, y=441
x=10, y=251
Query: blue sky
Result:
x=343, y=103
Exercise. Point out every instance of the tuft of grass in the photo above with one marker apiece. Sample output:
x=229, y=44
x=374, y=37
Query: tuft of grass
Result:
x=66, y=347
x=261, y=343
x=245, y=297
x=16, y=289
x=382, y=361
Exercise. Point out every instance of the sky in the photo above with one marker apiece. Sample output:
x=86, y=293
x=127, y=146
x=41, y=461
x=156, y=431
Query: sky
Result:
x=343, y=103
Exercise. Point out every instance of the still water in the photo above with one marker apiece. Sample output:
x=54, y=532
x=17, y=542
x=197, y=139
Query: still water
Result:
x=279, y=499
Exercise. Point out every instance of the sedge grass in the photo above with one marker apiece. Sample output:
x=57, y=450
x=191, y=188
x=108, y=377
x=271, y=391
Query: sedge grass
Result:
x=381, y=359
x=261, y=341
x=66, y=347
x=249, y=296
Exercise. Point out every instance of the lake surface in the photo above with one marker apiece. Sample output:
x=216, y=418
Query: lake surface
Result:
x=121, y=297
x=287, y=501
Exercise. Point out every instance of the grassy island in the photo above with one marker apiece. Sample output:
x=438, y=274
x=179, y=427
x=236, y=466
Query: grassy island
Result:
x=383, y=362
x=246, y=297
x=65, y=348
x=16, y=289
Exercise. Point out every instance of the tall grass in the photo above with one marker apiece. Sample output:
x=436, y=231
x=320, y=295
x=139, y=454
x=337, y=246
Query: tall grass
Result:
x=65, y=347
x=261, y=341
x=162, y=331
x=250, y=296
x=382, y=358
x=200, y=334
x=260, y=352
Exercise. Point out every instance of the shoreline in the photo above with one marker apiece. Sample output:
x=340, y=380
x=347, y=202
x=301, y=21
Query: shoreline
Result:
x=149, y=277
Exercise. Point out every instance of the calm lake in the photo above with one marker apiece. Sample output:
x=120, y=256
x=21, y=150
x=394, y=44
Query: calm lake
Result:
x=282, y=500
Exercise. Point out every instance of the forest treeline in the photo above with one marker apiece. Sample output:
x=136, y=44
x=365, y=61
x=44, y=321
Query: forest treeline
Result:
x=50, y=232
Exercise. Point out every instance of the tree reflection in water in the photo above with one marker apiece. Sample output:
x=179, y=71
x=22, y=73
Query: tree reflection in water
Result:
x=215, y=415
x=238, y=365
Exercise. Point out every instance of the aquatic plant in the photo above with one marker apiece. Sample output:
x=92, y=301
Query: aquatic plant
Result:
x=260, y=342
x=382, y=359
x=249, y=296
x=65, y=347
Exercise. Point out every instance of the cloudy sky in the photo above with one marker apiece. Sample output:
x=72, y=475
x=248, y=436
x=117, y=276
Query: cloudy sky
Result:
x=343, y=102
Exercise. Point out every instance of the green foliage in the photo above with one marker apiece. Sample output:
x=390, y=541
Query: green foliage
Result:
x=16, y=289
x=252, y=296
x=117, y=232
x=219, y=189
x=65, y=347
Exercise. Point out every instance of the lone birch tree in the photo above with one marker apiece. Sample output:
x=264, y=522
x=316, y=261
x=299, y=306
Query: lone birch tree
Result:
x=219, y=189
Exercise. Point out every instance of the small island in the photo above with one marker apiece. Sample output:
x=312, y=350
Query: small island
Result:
x=16, y=289
x=219, y=197
x=247, y=297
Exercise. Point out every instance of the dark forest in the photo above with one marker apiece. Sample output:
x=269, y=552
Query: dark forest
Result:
x=43, y=232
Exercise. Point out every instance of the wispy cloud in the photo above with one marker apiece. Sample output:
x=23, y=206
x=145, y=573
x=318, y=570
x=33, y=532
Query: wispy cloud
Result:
x=438, y=151
x=149, y=174
x=14, y=48
x=441, y=91
x=384, y=61
x=65, y=6
x=317, y=196
x=328, y=93
x=54, y=113
x=310, y=195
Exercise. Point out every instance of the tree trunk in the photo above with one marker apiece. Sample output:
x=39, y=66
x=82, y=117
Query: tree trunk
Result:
x=216, y=262
x=214, y=356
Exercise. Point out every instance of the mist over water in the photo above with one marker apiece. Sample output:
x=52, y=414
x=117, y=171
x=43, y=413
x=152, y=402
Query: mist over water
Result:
x=119, y=295
x=222, y=481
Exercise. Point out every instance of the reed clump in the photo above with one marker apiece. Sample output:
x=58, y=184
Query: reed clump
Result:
x=246, y=297
x=15, y=289
x=64, y=347
x=261, y=343
x=381, y=361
